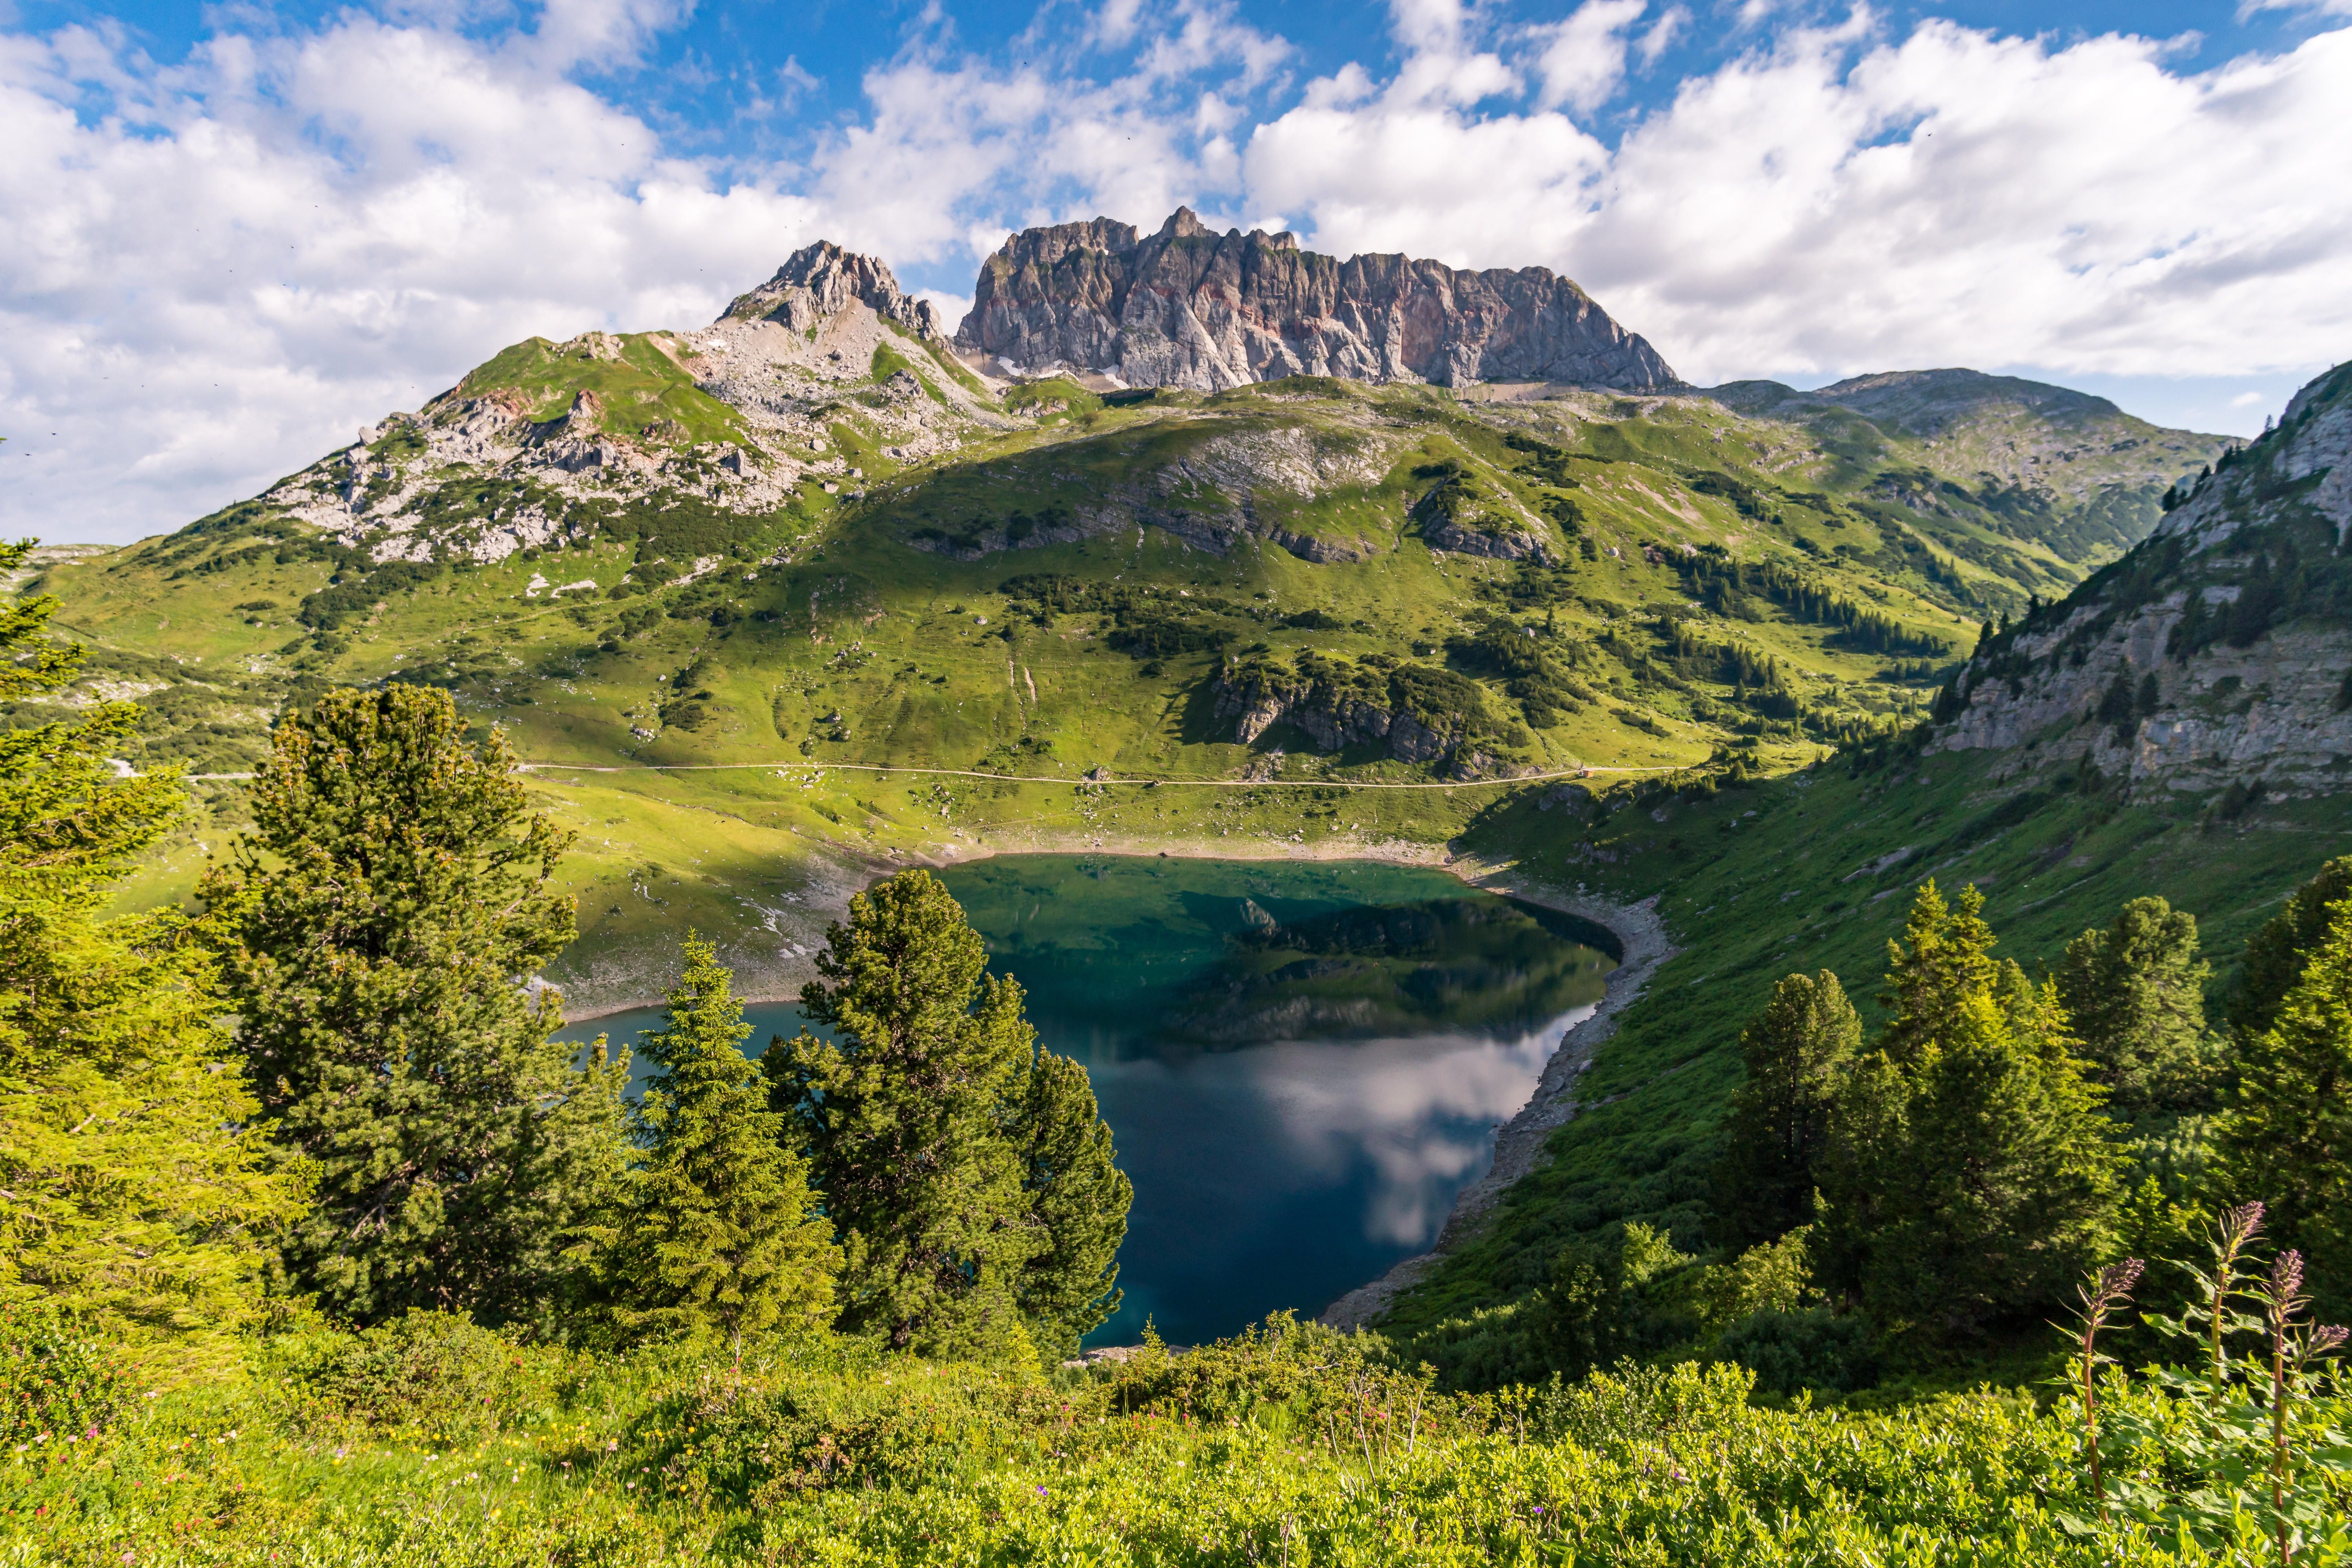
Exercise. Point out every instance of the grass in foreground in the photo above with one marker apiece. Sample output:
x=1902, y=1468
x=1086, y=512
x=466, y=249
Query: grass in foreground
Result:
x=430, y=1441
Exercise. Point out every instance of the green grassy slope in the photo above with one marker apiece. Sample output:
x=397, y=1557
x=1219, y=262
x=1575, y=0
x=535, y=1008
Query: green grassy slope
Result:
x=1760, y=881
x=1701, y=584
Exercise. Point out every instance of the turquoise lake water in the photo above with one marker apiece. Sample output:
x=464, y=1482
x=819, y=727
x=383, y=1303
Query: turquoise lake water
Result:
x=1302, y=1062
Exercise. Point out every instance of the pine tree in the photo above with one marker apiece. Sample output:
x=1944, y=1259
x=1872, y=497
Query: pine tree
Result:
x=381, y=922
x=1969, y=1174
x=1796, y=1051
x=2135, y=994
x=960, y=1199
x=1948, y=955
x=2286, y=1138
x=1078, y=1207
x=2276, y=953
x=720, y=1235
x=136, y=1199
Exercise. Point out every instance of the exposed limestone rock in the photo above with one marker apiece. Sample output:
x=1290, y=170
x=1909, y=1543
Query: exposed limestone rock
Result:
x=2163, y=670
x=1189, y=307
x=822, y=280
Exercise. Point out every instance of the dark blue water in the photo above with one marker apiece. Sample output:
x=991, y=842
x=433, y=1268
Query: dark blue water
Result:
x=1301, y=1063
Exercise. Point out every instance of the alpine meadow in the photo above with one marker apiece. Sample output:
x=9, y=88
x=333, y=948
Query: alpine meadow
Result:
x=1903, y=837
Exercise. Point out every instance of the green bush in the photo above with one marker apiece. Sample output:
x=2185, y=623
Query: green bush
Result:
x=1790, y=1352
x=57, y=1384
x=432, y=1375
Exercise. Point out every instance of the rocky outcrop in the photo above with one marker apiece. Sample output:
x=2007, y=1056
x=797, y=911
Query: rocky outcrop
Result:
x=1187, y=307
x=1413, y=713
x=2215, y=655
x=822, y=280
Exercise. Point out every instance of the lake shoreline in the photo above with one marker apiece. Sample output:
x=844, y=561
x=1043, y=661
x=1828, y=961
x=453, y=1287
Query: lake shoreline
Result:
x=1640, y=933
x=783, y=981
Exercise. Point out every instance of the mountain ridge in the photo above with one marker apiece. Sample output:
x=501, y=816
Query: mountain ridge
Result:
x=1187, y=307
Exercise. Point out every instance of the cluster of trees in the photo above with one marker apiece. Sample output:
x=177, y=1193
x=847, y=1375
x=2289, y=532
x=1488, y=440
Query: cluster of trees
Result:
x=1729, y=588
x=1956, y=1170
x=389, y=1127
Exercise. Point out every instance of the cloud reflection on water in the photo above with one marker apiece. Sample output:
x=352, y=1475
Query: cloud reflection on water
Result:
x=1406, y=1121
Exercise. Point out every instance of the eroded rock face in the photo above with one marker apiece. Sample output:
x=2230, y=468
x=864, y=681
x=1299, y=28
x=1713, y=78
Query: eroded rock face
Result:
x=1187, y=307
x=2175, y=684
x=823, y=280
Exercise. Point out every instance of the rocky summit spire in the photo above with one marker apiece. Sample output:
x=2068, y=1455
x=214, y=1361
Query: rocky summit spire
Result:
x=823, y=280
x=1190, y=306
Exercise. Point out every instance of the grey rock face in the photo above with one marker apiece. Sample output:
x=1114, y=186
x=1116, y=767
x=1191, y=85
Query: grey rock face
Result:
x=2269, y=711
x=1186, y=307
x=1331, y=721
x=823, y=280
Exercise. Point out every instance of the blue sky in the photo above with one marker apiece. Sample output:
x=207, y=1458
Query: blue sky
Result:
x=240, y=231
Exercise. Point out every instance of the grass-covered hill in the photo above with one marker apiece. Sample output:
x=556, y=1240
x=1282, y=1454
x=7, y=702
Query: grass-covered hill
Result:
x=810, y=538
x=2177, y=726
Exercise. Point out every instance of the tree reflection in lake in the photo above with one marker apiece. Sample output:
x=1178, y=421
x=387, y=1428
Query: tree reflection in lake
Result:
x=1303, y=1062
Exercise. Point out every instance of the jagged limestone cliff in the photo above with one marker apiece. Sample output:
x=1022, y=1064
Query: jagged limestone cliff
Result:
x=1187, y=307
x=2216, y=656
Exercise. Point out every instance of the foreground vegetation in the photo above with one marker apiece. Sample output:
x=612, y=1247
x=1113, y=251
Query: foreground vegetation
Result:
x=430, y=1441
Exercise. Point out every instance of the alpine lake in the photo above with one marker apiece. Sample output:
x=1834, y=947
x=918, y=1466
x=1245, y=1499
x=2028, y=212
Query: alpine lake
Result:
x=1302, y=1063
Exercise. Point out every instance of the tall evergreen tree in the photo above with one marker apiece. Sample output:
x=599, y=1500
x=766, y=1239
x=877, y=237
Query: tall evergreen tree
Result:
x=2276, y=954
x=133, y=1194
x=2286, y=1138
x=381, y=922
x=1796, y=1052
x=2135, y=994
x=1946, y=955
x=1969, y=1174
x=964, y=1201
x=1078, y=1207
x=720, y=1235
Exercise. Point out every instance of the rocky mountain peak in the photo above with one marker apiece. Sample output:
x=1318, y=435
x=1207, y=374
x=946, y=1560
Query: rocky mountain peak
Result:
x=1189, y=306
x=823, y=280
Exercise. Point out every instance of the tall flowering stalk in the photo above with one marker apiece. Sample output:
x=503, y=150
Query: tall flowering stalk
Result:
x=2101, y=1294
x=2236, y=1233
x=2293, y=1342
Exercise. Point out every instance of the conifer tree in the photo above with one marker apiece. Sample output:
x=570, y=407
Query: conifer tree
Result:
x=2135, y=994
x=131, y=1195
x=962, y=1203
x=2276, y=954
x=719, y=1233
x=1947, y=954
x=1969, y=1174
x=380, y=923
x=1796, y=1052
x=1078, y=1207
x=2286, y=1138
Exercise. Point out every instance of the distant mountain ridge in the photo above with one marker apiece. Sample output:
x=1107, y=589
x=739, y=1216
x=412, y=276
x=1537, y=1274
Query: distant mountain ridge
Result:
x=1187, y=307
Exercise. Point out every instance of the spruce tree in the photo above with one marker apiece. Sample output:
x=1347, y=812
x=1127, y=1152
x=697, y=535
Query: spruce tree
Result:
x=381, y=922
x=2276, y=954
x=2135, y=994
x=136, y=1197
x=1796, y=1051
x=2286, y=1138
x=1968, y=1175
x=720, y=1235
x=963, y=1202
x=1078, y=1207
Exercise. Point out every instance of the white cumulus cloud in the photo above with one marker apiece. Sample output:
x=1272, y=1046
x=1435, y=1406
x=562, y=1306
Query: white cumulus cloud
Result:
x=218, y=268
